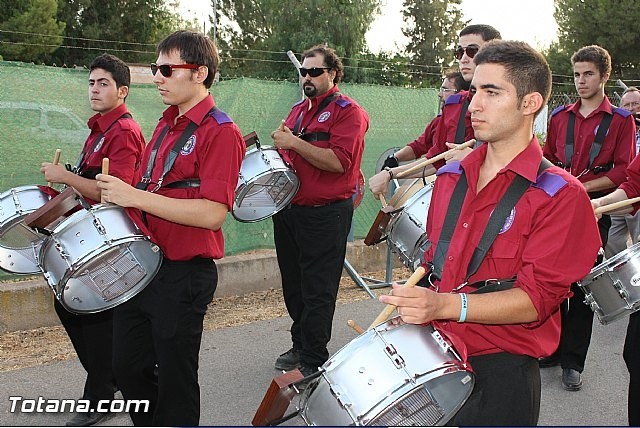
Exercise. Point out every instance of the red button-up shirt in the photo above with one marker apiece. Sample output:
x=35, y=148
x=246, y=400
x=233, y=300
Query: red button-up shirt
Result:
x=346, y=122
x=618, y=146
x=213, y=155
x=424, y=142
x=549, y=241
x=122, y=143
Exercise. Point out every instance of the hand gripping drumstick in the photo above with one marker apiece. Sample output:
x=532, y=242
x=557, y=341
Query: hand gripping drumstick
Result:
x=105, y=171
x=434, y=159
x=388, y=310
x=616, y=205
x=56, y=161
x=356, y=327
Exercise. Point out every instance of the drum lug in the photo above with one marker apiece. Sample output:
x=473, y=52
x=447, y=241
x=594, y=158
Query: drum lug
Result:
x=99, y=227
x=16, y=201
x=396, y=358
x=61, y=251
x=621, y=290
x=265, y=158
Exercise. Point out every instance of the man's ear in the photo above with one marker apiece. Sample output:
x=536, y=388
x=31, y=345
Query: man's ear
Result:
x=532, y=103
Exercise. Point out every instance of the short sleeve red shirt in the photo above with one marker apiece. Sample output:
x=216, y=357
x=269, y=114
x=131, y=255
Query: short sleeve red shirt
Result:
x=213, y=155
x=122, y=143
x=618, y=146
x=346, y=122
x=549, y=241
x=424, y=142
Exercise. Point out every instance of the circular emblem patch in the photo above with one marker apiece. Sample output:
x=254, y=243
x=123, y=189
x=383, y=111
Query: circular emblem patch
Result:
x=324, y=117
x=188, y=146
x=508, y=221
x=98, y=145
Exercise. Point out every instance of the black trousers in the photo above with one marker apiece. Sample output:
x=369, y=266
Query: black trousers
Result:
x=577, y=322
x=631, y=356
x=311, y=244
x=506, y=392
x=92, y=337
x=163, y=325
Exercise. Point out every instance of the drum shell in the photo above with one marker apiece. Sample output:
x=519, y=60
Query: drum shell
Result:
x=612, y=288
x=84, y=240
x=365, y=380
x=17, y=255
x=406, y=232
x=262, y=164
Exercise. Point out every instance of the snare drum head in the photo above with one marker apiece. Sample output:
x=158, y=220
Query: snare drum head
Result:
x=19, y=244
x=266, y=185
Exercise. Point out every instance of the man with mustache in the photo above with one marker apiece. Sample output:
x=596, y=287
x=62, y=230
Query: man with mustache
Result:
x=323, y=139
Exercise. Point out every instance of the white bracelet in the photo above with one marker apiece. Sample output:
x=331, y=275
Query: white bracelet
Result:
x=463, y=308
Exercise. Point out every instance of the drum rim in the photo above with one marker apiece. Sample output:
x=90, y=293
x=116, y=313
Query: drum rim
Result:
x=244, y=188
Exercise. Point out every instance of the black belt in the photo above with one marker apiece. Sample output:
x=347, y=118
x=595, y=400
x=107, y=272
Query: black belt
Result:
x=184, y=184
x=316, y=136
x=341, y=201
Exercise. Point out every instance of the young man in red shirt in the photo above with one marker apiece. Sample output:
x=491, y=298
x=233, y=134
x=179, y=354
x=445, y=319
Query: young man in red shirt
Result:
x=546, y=240
x=182, y=206
x=114, y=135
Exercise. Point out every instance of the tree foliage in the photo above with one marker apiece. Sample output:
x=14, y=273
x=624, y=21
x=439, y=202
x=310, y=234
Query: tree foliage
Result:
x=276, y=26
x=29, y=29
x=611, y=24
x=432, y=27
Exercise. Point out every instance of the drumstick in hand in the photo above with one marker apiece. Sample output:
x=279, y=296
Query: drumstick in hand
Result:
x=388, y=310
x=616, y=205
x=356, y=327
x=56, y=161
x=383, y=200
x=434, y=159
x=105, y=171
x=281, y=127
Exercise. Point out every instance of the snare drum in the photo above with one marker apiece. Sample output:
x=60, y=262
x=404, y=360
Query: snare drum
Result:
x=97, y=258
x=406, y=232
x=265, y=186
x=612, y=288
x=19, y=244
x=391, y=375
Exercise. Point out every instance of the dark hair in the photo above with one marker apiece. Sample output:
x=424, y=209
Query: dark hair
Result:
x=331, y=59
x=526, y=68
x=114, y=65
x=596, y=55
x=458, y=80
x=194, y=48
x=487, y=32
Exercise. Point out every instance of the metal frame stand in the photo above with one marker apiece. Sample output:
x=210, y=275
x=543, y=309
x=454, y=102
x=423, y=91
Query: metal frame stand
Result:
x=361, y=281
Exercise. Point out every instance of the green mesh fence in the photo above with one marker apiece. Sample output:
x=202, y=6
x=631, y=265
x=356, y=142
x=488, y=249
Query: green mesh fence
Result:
x=44, y=108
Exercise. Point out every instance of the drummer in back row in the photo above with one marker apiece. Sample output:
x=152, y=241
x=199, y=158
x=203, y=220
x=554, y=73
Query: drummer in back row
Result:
x=537, y=228
x=323, y=138
x=116, y=136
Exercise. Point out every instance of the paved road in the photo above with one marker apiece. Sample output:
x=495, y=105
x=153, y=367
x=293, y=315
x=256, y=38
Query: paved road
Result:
x=236, y=368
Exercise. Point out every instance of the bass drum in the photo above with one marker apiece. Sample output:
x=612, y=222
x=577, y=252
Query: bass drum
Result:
x=395, y=374
x=19, y=244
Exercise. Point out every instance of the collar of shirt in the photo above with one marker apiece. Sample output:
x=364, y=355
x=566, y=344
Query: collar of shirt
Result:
x=605, y=106
x=100, y=122
x=195, y=114
x=526, y=163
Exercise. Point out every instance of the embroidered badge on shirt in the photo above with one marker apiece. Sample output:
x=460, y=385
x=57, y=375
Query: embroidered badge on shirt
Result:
x=508, y=221
x=188, y=146
x=324, y=117
x=98, y=145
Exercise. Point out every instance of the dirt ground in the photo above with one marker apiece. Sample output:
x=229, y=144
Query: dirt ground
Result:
x=30, y=348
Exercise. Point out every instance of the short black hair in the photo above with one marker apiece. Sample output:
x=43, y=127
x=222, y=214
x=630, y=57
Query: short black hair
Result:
x=114, y=65
x=596, y=55
x=487, y=32
x=194, y=48
x=331, y=59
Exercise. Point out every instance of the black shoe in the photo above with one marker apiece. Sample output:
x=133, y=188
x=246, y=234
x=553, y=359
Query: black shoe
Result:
x=288, y=361
x=549, y=361
x=306, y=371
x=571, y=380
x=85, y=419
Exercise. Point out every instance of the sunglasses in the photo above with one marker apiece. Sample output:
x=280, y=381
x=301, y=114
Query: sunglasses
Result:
x=313, y=72
x=470, y=50
x=167, y=69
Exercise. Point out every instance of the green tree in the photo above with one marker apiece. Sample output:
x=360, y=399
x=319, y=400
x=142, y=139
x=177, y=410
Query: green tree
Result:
x=29, y=30
x=259, y=32
x=432, y=27
x=611, y=24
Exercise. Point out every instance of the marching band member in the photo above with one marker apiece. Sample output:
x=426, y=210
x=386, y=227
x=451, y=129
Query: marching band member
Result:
x=540, y=236
x=191, y=168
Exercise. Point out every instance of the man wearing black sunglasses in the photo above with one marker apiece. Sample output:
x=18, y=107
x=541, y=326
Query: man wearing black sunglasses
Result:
x=185, y=189
x=323, y=137
x=454, y=126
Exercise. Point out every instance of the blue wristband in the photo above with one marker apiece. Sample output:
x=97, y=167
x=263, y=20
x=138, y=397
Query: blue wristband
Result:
x=463, y=308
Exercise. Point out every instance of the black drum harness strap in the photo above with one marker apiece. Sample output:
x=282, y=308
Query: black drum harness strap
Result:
x=595, y=147
x=514, y=192
x=462, y=126
x=314, y=136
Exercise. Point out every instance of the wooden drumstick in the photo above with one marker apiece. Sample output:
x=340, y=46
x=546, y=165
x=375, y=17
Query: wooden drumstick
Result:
x=105, y=171
x=388, y=310
x=616, y=205
x=281, y=127
x=383, y=200
x=434, y=159
x=356, y=327
x=56, y=161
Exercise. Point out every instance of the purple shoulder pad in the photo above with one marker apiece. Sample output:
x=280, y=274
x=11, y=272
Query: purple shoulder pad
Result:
x=550, y=183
